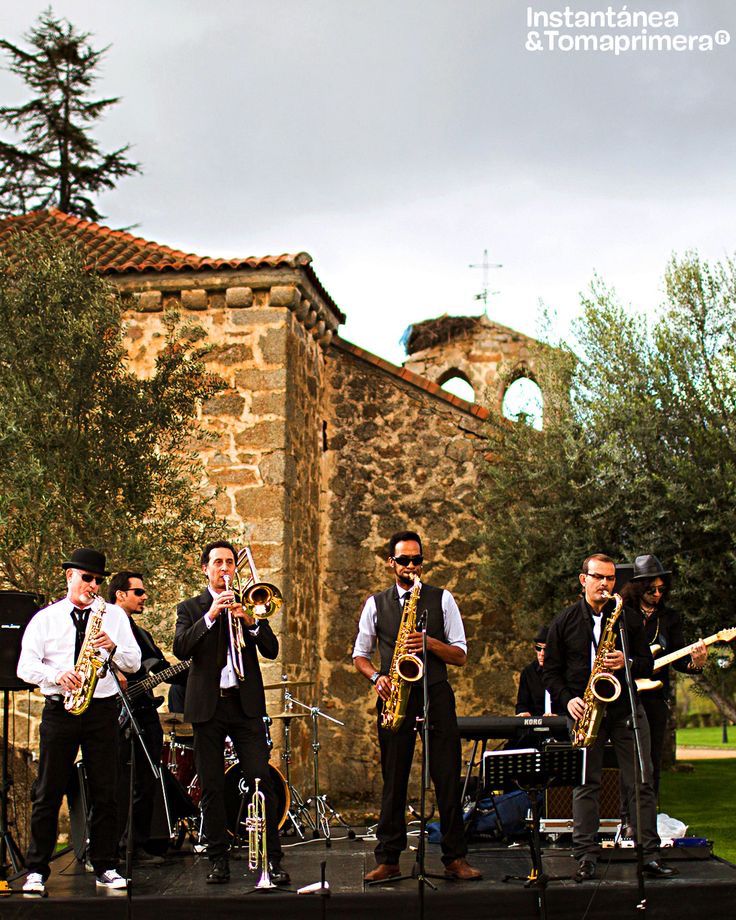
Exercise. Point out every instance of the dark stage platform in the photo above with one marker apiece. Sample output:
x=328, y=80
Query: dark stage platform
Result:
x=705, y=885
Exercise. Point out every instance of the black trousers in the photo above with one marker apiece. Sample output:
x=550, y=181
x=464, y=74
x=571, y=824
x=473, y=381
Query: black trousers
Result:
x=657, y=710
x=585, y=798
x=61, y=736
x=248, y=736
x=397, y=752
x=146, y=784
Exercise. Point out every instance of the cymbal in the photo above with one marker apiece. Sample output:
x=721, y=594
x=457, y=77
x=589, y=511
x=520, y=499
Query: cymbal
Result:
x=285, y=684
x=290, y=715
x=174, y=722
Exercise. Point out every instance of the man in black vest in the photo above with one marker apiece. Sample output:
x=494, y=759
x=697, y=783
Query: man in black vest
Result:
x=572, y=643
x=220, y=703
x=379, y=625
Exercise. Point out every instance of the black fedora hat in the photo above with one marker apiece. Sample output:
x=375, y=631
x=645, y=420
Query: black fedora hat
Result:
x=91, y=560
x=648, y=567
x=541, y=635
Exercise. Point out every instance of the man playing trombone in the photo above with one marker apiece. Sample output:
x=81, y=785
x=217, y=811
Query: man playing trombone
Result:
x=225, y=697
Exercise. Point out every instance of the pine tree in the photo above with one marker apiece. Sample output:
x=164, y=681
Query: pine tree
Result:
x=56, y=163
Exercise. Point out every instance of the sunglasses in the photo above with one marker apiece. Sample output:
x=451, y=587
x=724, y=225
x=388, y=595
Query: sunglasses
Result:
x=139, y=592
x=405, y=560
x=97, y=579
x=539, y=648
x=658, y=590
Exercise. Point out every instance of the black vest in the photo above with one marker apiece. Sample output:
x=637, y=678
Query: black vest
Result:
x=388, y=620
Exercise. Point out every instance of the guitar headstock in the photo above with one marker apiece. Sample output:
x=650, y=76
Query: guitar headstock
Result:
x=727, y=635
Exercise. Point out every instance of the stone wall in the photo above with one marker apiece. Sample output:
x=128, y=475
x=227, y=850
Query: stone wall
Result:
x=397, y=457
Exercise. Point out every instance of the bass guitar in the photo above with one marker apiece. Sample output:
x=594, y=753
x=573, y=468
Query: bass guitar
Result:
x=644, y=683
x=148, y=683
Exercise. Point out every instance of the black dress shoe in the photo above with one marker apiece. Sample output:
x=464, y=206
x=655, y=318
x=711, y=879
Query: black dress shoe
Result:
x=657, y=869
x=278, y=875
x=220, y=872
x=586, y=870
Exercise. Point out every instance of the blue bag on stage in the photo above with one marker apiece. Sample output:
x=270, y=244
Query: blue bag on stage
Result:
x=483, y=821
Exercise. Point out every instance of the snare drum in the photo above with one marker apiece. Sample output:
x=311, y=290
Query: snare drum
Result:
x=178, y=759
x=236, y=787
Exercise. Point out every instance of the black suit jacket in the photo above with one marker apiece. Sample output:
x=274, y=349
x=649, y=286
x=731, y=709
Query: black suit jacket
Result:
x=207, y=648
x=567, y=655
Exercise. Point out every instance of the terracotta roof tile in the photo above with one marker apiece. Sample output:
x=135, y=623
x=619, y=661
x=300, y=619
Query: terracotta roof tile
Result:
x=118, y=252
x=416, y=380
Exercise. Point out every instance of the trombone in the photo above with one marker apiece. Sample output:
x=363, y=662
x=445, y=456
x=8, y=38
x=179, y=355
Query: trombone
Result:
x=255, y=824
x=260, y=599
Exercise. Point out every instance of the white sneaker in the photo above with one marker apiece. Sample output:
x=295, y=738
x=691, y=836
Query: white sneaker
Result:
x=111, y=879
x=34, y=884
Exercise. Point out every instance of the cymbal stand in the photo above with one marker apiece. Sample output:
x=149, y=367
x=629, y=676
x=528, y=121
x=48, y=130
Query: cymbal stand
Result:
x=298, y=813
x=323, y=810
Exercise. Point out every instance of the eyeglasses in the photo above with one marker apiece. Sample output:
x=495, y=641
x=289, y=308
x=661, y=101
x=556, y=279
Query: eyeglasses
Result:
x=139, y=592
x=405, y=560
x=97, y=579
x=596, y=577
x=658, y=590
x=539, y=648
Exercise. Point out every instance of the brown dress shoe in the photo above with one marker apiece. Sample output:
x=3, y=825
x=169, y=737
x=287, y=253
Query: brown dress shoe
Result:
x=462, y=870
x=383, y=872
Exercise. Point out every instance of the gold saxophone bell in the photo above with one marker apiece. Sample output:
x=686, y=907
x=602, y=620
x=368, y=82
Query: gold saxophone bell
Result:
x=260, y=599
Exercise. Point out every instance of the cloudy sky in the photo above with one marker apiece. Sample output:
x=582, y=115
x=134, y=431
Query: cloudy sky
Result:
x=395, y=140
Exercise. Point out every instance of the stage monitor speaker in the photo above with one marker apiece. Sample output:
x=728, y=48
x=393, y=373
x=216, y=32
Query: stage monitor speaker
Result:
x=559, y=798
x=16, y=610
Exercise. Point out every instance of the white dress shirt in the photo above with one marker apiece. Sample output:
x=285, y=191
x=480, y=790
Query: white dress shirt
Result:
x=365, y=643
x=47, y=648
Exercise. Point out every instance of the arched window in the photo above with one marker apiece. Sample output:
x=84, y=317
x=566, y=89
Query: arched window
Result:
x=522, y=402
x=457, y=383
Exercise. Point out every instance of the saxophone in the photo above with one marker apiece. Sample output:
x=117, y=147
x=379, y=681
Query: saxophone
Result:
x=88, y=663
x=406, y=668
x=603, y=686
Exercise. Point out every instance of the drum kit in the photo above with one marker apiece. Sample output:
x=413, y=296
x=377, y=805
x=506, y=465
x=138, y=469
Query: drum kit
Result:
x=311, y=817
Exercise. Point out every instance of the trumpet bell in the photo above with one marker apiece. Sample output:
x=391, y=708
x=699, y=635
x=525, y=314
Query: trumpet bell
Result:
x=262, y=600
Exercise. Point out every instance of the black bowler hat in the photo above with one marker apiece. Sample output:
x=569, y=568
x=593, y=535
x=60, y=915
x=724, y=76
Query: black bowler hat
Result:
x=648, y=567
x=88, y=559
x=541, y=635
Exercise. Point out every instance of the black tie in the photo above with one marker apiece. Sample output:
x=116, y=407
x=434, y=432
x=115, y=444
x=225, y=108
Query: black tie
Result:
x=79, y=618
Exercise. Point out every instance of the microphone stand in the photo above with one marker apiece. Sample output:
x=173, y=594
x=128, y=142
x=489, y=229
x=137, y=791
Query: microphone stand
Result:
x=639, y=766
x=419, y=871
x=134, y=732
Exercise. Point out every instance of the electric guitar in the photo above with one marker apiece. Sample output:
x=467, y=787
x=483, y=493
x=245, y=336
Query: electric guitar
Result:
x=148, y=683
x=644, y=683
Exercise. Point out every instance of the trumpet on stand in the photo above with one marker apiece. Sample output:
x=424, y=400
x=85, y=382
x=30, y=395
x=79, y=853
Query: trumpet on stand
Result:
x=255, y=824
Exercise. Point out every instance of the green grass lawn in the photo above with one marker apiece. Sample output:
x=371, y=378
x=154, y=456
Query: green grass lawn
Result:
x=706, y=737
x=706, y=801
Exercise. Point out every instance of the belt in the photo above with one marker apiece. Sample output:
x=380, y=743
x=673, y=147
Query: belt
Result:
x=55, y=697
x=229, y=691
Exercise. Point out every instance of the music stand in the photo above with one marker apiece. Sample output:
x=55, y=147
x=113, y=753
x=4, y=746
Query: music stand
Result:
x=533, y=771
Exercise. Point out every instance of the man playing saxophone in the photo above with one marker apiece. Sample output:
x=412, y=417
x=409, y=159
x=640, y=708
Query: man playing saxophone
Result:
x=380, y=625
x=571, y=653
x=49, y=653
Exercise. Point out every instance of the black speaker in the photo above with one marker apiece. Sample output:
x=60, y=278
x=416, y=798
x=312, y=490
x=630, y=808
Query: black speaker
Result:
x=16, y=610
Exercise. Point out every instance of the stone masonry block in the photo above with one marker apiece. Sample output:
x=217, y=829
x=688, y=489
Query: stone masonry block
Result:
x=273, y=346
x=239, y=297
x=284, y=295
x=149, y=302
x=195, y=299
x=260, y=504
x=256, y=379
x=262, y=436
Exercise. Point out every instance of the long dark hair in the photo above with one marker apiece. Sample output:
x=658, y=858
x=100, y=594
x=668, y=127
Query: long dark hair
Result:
x=635, y=590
